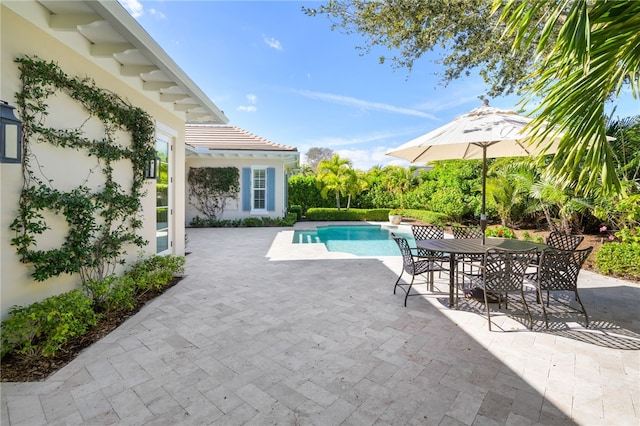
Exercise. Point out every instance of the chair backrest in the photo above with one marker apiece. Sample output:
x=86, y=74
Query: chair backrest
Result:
x=427, y=232
x=405, y=250
x=504, y=269
x=559, y=269
x=562, y=241
x=462, y=232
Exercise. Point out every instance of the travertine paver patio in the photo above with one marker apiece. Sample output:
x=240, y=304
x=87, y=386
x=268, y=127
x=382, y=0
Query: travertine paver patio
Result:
x=264, y=332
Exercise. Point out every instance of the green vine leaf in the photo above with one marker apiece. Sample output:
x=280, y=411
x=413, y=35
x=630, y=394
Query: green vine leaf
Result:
x=101, y=222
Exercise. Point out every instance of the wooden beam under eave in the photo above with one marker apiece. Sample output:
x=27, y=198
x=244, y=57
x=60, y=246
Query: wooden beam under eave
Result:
x=185, y=107
x=173, y=97
x=136, y=70
x=157, y=85
x=70, y=22
x=106, y=50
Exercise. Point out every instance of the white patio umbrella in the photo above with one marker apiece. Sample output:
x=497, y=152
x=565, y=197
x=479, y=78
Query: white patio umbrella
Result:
x=483, y=132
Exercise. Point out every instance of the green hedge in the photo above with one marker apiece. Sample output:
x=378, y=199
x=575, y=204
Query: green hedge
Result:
x=619, y=259
x=434, y=218
x=374, y=215
x=248, y=222
x=330, y=214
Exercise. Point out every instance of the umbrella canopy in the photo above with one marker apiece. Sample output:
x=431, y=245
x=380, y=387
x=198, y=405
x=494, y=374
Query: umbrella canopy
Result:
x=483, y=132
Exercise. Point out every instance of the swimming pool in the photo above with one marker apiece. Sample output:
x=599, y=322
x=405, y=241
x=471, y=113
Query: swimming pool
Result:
x=361, y=240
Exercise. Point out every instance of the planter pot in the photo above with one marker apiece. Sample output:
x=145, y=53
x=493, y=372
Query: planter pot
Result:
x=395, y=219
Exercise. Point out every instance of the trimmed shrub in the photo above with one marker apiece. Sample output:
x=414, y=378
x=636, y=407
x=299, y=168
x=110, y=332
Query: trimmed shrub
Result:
x=621, y=258
x=155, y=272
x=331, y=214
x=41, y=328
x=297, y=210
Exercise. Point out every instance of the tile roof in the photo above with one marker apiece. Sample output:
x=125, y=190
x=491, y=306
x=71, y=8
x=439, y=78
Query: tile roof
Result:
x=229, y=138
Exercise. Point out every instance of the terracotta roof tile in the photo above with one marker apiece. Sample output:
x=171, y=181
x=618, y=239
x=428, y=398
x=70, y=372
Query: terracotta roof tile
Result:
x=229, y=138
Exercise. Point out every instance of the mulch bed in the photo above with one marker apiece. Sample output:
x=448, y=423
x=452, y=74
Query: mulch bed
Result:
x=20, y=368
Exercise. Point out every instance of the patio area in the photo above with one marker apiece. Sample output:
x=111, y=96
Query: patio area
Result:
x=264, y=332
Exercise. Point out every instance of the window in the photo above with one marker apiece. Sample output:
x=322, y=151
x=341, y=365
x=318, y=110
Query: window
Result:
x=259, y=189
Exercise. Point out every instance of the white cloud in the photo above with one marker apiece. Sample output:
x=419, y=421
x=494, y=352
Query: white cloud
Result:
x=252, y=99
x=272, y=42
x=364, y=159
x=248, y=108
x=134, y=7
x=157, y=13
x=366, y=105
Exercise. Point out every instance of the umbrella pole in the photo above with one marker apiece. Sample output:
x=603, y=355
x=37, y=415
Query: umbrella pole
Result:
x=483, y=216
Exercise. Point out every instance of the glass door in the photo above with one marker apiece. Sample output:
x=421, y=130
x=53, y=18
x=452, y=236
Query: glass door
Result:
x=163, y=210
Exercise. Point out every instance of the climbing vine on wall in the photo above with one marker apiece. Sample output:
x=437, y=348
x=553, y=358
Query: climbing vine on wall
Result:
x=211, y=187
x=101, y=221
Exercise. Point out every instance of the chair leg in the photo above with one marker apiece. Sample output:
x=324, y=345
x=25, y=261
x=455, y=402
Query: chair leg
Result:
x=584, y=311
x=544, y=310
x=397, y=282
x=406, y=296
x=486, y=304
x=526, y=307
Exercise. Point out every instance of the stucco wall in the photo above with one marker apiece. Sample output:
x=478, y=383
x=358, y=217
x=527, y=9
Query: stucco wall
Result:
x=233, y=208
x=20, y=37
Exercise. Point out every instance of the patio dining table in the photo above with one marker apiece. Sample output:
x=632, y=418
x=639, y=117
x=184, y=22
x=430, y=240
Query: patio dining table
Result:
x=472, y=246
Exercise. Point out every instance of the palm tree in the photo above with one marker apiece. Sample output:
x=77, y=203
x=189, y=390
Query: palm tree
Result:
x=334, y=175
x=593, y=56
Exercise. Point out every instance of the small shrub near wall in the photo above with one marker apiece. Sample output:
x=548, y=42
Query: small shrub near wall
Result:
x=42, y=328
x=249, y=222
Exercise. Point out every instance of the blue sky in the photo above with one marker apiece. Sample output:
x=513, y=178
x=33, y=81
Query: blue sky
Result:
x=287, y=77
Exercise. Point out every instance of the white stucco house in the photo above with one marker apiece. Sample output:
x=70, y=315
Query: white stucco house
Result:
x=263, y=166
x=98, y=39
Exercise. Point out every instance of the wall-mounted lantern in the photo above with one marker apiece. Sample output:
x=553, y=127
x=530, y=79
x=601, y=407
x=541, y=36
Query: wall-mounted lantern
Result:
x=10, y=135
x=152, y=168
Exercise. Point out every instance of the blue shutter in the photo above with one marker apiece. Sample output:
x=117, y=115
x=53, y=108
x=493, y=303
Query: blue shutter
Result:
x=246, y=189
x=271, y=189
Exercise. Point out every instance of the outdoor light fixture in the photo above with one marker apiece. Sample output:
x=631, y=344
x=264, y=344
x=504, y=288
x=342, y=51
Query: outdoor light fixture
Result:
x=152, y=168
x=10, y=135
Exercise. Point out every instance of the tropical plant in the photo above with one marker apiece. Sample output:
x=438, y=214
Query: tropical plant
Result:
x=589, y=60
x=337, y=176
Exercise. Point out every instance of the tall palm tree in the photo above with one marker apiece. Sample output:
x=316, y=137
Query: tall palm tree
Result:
x=593, y=56
x=334, y=175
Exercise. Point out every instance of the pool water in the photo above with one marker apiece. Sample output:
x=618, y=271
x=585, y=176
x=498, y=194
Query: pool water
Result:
x=361, y=240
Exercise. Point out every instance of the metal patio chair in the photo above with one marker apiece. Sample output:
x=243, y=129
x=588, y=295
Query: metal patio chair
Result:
x=558, y=271
x=414, y=265
x=430, y=232
x=469, y=262
x=562, y=241
x=503, y=272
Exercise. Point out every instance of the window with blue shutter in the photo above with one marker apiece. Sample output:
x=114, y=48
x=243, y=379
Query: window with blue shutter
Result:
x=258, y=189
